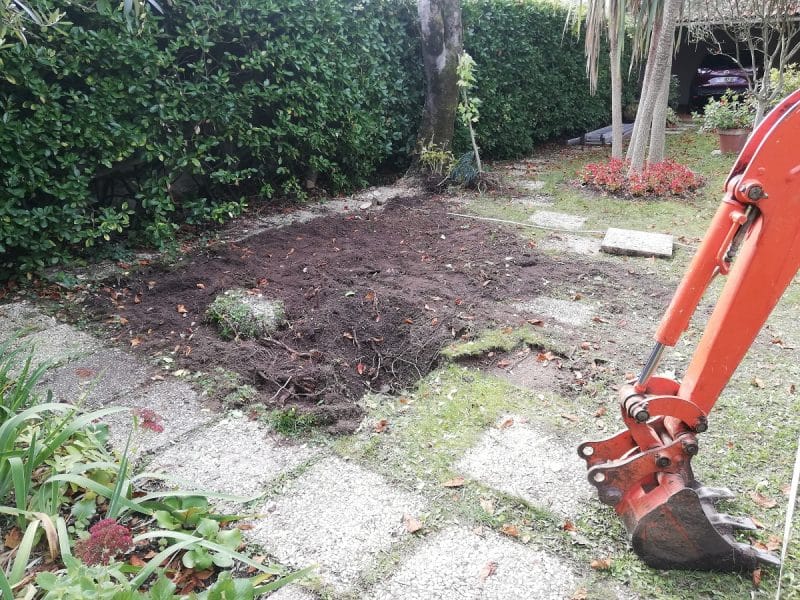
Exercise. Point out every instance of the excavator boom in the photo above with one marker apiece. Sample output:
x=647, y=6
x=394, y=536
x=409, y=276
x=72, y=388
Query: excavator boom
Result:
x=644, y=471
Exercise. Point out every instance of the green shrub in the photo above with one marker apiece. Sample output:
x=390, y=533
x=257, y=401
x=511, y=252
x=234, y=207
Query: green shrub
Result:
x=105, y=131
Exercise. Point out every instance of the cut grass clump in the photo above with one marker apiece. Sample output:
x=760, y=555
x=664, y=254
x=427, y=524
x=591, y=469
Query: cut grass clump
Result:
x=498, y=340
x=239, y=314
x=291, y=422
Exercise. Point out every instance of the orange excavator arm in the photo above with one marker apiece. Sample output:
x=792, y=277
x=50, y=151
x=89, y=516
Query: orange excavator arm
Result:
x=644, y=471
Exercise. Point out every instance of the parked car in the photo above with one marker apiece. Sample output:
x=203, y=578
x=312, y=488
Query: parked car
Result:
x=716, y=75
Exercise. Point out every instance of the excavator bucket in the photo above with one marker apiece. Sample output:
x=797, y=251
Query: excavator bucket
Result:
x=644, y=471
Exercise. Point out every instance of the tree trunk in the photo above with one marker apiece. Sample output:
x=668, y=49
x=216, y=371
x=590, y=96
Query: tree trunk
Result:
x=650, y=94
x=658, y=136
x=641, y=133
x=616, y=90
x=440, y=26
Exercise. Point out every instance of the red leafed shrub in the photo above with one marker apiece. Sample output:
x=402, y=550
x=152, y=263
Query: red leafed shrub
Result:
x=106, y=540
x=659, y=179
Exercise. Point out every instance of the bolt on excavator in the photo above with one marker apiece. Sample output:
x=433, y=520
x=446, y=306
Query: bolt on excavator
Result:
x=645, y=471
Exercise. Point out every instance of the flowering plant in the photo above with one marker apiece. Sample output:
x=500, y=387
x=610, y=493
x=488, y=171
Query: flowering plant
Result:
x=106, y=540
x=658, y=179
x=731, y=111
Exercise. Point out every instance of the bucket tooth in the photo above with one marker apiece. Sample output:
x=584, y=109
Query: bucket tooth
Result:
x=722, y=521
x=714, y=494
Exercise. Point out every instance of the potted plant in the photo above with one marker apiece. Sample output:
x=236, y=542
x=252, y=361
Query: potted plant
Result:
x=731, y=117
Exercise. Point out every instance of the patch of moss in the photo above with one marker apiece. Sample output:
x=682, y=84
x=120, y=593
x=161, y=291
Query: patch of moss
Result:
x=291, y=422
x=239, y=314
x=497, y=340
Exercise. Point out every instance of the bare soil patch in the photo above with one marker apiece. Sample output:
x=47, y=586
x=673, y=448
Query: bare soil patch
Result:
x=370, y=298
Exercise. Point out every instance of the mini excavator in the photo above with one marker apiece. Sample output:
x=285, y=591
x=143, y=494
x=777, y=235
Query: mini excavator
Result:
x=645, y=471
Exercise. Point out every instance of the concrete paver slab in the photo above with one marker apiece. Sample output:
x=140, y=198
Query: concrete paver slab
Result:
x=528, y=461
x=336, y=515
x=58, y=345
x=637, y=243
x=578, y=244
x=178, y=407
x=568, y=312
x=453, y=565
x=557, y=220
x=22, y=318
x=96, y=380
x=234, y=456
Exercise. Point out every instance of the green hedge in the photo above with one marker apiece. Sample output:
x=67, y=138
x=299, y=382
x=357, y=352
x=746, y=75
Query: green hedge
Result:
x=531, y=76
x=107, y=131
x=109, y=134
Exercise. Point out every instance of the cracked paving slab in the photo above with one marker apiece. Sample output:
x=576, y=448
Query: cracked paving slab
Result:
x=57, y=345
x=22, y=318
x=179, y=407
x=96, y=380
x=338, y=516
x=453, y=564
x=234, y=456
x=528, y=461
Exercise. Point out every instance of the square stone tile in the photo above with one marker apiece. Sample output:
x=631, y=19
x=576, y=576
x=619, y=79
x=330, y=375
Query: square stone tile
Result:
x=96, y=380
x=528, y=461
x=557, y=220
x=338, y=516
x=234, y=456
x=22, y=318
x=449, y=565
x=568, y=312
x=179, y=407
x=57, y=345
x=637, y=243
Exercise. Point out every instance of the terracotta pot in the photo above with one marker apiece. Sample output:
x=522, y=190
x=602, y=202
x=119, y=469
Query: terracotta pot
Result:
x=731, y=141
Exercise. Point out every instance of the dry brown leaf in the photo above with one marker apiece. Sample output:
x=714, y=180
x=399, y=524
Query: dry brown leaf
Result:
x=137, y=299
x=601, y=564
x=586, y=345
x=502, y=364
x=757, y=577
x=510, y=530
x=599, y=320
x=181, y=309
x=773, y=543
x=135, y=342
x=600, y=411
x=381, y=426
x=488, y=570
x=200, y=286
x=12, y=538
x=792, y=388
x=454, y=483
x=412, y=524
x=569, y=526
x=757, y=382
x=580, y=594
x=762, y=500
x=506, y=423
x=536, y=322
x=85, y=373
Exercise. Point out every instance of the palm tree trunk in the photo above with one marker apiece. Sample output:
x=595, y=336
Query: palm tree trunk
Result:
x=650, y=95
x=640, y=134
x=655, y=153
x=616, y=90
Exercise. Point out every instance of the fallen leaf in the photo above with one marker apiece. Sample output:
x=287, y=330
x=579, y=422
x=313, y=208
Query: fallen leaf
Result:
x=503, y=364
x=245, y=527
x=412, y=524
x=369, y=296
x=599, y=320
x=600, y=411
x=12, y=538
x=135, y=342
x=569, y=526
x=578, y=296
x=570, y=417
x=381, y=426
x=85, y=373
x=792, y=388
x=181, y=309
x=586, y=345
x=762, y=500
x=347, y=334
x=773, y=543
x=200, y=286
x=408, y=321
x=137, y=299
x=580, y=594
x=536, y=322
x=510, y=530
x=136, y=561
x=360, y=368
x=756, y=382
x=506, y=423
x=601, y=564
x=454, y=483
x=757, y=523
x=757, y=577
x=487, y=571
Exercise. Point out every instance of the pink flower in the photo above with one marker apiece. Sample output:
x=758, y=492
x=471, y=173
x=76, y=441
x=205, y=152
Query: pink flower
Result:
x=149, y=419
x=106, y=540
